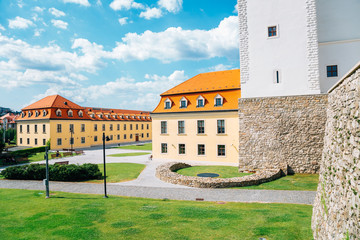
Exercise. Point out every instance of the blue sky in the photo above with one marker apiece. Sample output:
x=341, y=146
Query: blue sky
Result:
x=115, y=53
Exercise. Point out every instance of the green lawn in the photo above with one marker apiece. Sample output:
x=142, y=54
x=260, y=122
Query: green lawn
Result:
x=128, y=154
x=145, y=147
x=40, y=156
x=28, y=215
x=120, y=172
x=301, y=182
x=223, y=171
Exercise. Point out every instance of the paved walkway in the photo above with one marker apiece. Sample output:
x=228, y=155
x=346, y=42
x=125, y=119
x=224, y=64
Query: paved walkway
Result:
x=147, y=185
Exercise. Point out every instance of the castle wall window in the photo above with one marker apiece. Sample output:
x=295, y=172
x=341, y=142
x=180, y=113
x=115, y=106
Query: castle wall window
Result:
x=147, y=135
x=44, y=128
x=124, y=136
x=131, y=136
x=124, y=126
x=137, y=126
x=28, y=141
x=332, y=71
x=20, y=128
x=130, y=126
x=164, y=148
x=201, y=149
x=44, y=142
x=147, y=126
x=103, y=127
x=83, y=127
x=142, y=126
x=59, y=143
x=200, y=126
x=28, y=128
x=182, y=149
x=181, y=127
x=163, y=127
x=95, y=138
x=111, y=127
x=272, y=31
x=118, y=137
x=82, y=139
x=220, y=126
x=35, y=126
x=58, y=128
x=20, y=140
x=221, y=150
x=142, y=135
x=95, y=127
x=71, y=128
x=118, y=127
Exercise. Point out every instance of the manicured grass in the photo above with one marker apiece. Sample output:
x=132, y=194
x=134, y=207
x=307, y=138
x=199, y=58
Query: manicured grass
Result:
x=40, y=156
x=128, y=154
x=28, y=215
x=145, y=147
x=120, y=172
x=223, y=171
x=301, y=182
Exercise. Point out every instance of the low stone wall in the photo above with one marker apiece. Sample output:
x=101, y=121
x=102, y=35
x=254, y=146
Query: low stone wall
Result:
x=336, y=212
x=166, y=172
x=278, y=131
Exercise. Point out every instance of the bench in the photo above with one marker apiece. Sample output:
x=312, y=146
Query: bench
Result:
x=79, y=152
x=62, y=163
x=68, y=149
x=65, y=154
x=54, y=155
x=23, y=159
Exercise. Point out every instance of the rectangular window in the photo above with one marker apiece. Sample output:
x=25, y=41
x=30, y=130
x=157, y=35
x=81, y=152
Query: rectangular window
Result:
x=142, y=135
x=35, y=128
x=111, y=127
x=124, y=126
x=124, y=136
x=44, y=142
x=218, y=102
x=118, y=137
x=137, y=127
x=200, y=126
x=183, y=104
x=95, y=127
x=147, y=126
x=167, y=105
x=35, y=141
x=131, y=136
x=111, y=137
x=220, y=126
x=142, y=126
x=28, y=128
x=82, y=139
x=147, y=135
x=58, y=128
x=71, y=128
x=20, y=140
x=164, y=148
x=20, y=128
x=163, y=127
x=118, y=127
x=130, y=126
x=277, y=76
x=272, y=31
x=181, y=148
x=95, y=138
x=28, y=141
x=201, y=149
x=221, y=150
x=332, y=71
x=200, y=103
x=44, y=128
x=103, y=127
x=59, y=142
x=181, y=127
x=71, y=141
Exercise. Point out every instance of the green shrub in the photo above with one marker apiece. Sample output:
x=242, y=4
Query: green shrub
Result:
x=27, y=152
x=70, y=172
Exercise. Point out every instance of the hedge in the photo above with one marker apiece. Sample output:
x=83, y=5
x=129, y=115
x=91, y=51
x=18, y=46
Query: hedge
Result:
x=27, y=152
x=70, y=172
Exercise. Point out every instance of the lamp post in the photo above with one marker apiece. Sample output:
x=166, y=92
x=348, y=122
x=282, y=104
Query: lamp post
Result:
x=47, y=172
x=105, y=139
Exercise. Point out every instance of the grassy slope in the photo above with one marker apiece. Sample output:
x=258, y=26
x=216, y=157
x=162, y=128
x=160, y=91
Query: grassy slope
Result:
x=28, y=215
x=302, y=182
x=145, y=147
x=128, y=154
x=120, y=172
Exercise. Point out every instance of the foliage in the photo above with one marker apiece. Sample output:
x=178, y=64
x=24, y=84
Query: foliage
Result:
x=28, y=151
x=86, y=216
x=145, y=147
x=2, y=145
x=48, y=143
x=70, y=172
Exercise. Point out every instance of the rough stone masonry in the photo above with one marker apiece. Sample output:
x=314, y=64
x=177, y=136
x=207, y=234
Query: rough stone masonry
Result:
x=336, y=212
x=276, y=132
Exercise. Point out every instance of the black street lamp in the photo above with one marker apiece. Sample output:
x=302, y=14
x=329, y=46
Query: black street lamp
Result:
x=105, y=139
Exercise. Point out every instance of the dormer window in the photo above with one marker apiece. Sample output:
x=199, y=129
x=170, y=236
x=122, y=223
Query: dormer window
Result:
x=36, y=113
x=70, y=113
x=58, y=113
x=167, y=103
x=200, y=101
x=218, y=101
x=183, y=102
x=29, y=113
x=44, y=113
x=122, y=117
x=115, y=116
x=80, y=113
x=23, y=114
x=134, y=117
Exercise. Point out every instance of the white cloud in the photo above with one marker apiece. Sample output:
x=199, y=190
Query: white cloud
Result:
x=123, y=21
x=220, y=67
x=56, y=12
x=125, y=4
x=236, y=8
x=98, y=3
x=171, y=5
x=59, y=24
x=2, y=27
x=38, y=32
x=20, y=23
x=38, y=9
x=81, y=2
x=151, y=13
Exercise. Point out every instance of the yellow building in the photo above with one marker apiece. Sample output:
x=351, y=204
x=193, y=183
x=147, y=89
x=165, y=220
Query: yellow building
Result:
x=70, y=126
x=198, y=119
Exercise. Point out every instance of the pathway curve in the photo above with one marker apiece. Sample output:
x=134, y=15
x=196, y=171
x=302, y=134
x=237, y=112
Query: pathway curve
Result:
x=147, y=185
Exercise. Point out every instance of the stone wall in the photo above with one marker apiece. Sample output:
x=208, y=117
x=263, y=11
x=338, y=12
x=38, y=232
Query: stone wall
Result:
x=166, y=172
x=280, y=131
x=336, y=212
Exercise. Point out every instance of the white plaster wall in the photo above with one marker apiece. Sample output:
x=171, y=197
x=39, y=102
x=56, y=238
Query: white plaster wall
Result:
x=287, y=53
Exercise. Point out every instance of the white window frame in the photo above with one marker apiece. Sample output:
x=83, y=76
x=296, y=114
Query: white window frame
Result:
x=183, y=99
x=222, y=100
x=179, y=127
x=277, y=31
x=167, y=101
x=197, y=101
x=80, y=113
x=197, y=127
x=217, y=127
x=161, y=128
x=58, y=113
x=70, y=113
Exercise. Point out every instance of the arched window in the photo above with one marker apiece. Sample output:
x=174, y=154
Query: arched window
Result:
x=58, y=113
x=80, y=113
x=23, y=114
x=200, y=101
x=44, y=113
x=168, y=103
x=70, y=113
x=183, y=102
x=36, y=113
x=29, y=113
x=218, y=100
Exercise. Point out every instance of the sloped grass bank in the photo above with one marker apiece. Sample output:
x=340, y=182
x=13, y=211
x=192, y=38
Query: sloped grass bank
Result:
x=82, y=216
x=120, y=172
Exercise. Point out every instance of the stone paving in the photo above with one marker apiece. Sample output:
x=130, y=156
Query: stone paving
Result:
x=147, y=185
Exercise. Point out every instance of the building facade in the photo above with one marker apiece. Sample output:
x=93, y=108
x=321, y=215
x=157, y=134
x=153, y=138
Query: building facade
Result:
x=198, y=119
x=70, y=126
x=296, y=47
